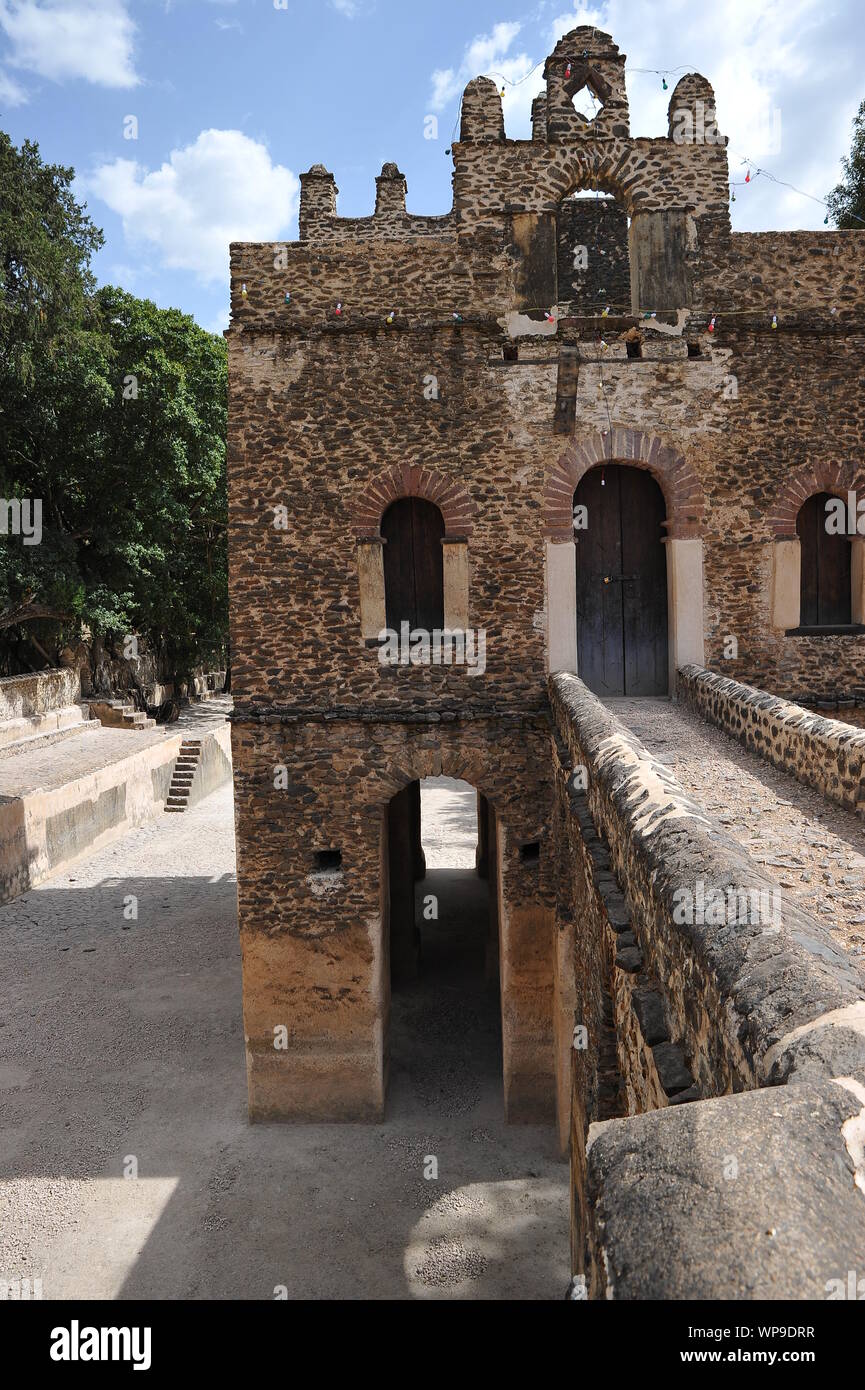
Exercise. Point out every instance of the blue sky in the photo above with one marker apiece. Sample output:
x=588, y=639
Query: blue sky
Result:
x=234, y=98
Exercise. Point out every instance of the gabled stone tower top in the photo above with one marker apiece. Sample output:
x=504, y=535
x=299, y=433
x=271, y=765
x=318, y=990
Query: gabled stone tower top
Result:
x=586, y=58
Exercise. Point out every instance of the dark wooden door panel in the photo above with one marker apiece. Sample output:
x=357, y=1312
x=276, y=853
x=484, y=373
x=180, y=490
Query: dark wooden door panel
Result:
x=825, y=568
x=644, y=588
x=413, y=564
x=427, y=526
x=600, y=656
x=622, y=584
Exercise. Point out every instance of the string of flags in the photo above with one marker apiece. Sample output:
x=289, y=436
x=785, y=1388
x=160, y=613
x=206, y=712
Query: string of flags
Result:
x=550, y=315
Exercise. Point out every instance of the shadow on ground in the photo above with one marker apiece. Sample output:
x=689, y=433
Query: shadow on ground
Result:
x=122, y=1047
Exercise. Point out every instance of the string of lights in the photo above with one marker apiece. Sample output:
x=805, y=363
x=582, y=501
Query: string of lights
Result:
x=664, y=73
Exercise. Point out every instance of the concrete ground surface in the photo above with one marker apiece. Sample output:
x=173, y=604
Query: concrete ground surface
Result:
x=121, y=1051
x=814, y=849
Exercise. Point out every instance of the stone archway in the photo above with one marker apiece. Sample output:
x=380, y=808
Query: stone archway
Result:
x=685, y=506
x=509, y=768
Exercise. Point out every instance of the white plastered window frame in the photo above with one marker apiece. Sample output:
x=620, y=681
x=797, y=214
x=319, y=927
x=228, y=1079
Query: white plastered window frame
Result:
x=373, y=599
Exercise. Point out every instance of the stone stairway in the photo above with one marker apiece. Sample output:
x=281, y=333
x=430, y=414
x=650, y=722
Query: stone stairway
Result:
x=184, y=772
x=120, y=714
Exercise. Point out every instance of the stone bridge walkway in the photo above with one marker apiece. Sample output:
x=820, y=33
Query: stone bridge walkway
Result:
x=812, y=848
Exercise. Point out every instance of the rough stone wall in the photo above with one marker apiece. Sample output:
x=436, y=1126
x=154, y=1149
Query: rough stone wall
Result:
x=25, y=696
x=600, y=226
x=315, y=943
x=700, y=1008
x=734, y=992
x=671, y=1217
x=825, y=753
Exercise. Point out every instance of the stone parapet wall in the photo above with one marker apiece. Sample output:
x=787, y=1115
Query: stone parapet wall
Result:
x=22, y=697
x=738, y=990
x=700, y=1008
x=753, y=1196
x=826, y=753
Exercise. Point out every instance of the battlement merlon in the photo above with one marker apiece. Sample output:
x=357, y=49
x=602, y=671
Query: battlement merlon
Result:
x=496, y=252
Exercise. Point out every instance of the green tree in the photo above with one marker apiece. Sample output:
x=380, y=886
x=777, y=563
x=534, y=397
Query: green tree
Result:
x=112, y=414
x=846, y=202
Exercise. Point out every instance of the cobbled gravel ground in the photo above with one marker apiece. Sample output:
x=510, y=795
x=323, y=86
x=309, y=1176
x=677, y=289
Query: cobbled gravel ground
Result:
x=812, y=848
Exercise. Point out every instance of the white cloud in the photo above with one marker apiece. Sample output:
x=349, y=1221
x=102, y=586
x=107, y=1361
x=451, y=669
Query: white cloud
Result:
x=62, y=39
x=488, y=55
x=11, y=92
x=221, y=188
x=219, y=322
x=347, y=7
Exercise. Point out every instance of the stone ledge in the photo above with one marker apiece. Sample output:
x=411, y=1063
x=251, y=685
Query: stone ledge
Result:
x=826, y=754
x=763, y=1003
x=789, y=1223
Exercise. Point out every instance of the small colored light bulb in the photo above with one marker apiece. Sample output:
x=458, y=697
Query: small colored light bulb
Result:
x=664, y=83
x=287, y=297
x=774, y=320
x=243, y=290
x=568, y=70
x=712, y=324
x=458, y=318
x=748, y=176
x=389, y=318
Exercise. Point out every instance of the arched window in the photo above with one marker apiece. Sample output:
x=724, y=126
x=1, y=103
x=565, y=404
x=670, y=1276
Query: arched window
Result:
x=412, y=529
x=825, y=568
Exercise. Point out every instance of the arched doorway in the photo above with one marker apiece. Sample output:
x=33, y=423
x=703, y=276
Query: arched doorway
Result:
x=621, y=582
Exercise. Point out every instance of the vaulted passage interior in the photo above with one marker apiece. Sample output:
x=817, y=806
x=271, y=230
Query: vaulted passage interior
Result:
x=621, y=582
x=445, y=1043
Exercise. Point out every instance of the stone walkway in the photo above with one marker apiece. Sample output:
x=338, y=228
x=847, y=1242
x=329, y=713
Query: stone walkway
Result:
x=56, y=764
x=812, y=848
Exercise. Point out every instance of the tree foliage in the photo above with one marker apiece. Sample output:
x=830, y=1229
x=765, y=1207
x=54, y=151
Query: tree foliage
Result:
x=112, y=414
x=847, y=200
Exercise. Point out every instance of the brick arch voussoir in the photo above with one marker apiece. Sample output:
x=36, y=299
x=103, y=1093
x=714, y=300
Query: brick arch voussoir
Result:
x=823, y=475
x=580, y=171
x=452, y=500
x=414, y=765
x=682, y=489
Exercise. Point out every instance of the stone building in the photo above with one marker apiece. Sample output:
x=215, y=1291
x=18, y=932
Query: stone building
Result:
x=588, y=432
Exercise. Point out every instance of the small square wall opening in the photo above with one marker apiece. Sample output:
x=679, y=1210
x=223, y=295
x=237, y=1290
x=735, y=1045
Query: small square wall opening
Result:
x=531, y=852
x=327, y=860
x=694, y=350
x=511, y=352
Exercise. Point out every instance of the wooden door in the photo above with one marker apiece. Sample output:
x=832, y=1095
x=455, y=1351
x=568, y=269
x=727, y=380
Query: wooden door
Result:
x=825, y=587
x=622, y=583
x=413, y=564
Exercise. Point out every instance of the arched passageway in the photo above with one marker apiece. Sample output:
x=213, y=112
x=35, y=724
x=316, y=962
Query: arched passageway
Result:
x=444, y=1043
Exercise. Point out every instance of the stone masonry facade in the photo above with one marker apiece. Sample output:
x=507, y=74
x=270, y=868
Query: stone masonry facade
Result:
x=464, y=360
